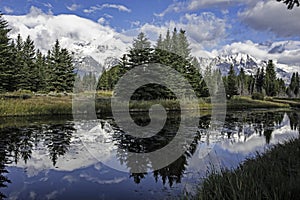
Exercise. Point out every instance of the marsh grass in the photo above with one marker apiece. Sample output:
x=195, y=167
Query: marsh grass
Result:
x=272, y=175
x=243, y=103
x=36, y=105
x=26, y=104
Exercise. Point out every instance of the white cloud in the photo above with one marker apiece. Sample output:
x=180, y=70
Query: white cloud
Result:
x=204, y=30
x=272, y=16
x=73, y=7
x=289, y=56
x=101, y=20
x=8, y=10
x=191, y=5
x=108, y=16
x=106, y=5
x=48, y=5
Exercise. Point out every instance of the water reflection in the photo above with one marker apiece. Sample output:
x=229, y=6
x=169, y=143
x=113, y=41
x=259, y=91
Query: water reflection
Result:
x=56, y=148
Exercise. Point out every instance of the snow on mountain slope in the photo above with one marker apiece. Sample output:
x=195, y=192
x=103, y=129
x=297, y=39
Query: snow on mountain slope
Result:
x=83, y=37
x=248, y=63
x=96, y=46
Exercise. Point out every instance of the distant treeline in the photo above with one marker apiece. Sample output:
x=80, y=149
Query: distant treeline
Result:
x=22, y=67
x=174, y=50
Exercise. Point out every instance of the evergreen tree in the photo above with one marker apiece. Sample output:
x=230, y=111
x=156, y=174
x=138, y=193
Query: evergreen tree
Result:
x=40, y=63
x=183, y=49
x=159, y=43
x=174, y=43
x=251, y=84
x=29, y=76
x=231, y=83
x=293, y=88
x=68, y=68
x=242, y=82
x=270, y=80
x=281, y=87
x=7, y=70
x=141, y=51
x=259, y=80
x=61, y=75
x=167, y=43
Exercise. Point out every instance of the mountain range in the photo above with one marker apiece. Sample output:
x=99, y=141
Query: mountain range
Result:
x=96, y=47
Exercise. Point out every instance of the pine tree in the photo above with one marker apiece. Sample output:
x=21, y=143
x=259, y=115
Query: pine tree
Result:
x=293, y=88
x=270, y=80
x=7, y=71
x=40, y=63
x=259, y=80
x=167, y=43
x=251, y=84
x=61, y=75
x=68, y=68
x=174, y=43
x=29, y=71
x=183, y=49
x=231, y=83
x=159, y=43
x=242, y=81
x=141, y=51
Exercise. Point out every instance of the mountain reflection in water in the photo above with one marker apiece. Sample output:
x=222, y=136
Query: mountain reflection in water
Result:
x=48, y=159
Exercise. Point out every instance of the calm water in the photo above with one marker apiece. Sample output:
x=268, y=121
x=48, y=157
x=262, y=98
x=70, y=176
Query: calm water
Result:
x=49, y=159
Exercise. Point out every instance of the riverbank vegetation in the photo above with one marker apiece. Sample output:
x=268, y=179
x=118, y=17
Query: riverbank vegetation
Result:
x=32, y=83
x=272, y=175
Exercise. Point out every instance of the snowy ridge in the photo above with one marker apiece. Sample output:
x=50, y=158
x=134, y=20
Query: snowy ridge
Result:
x=83, y=37
x=96, y=47
x=249, y=63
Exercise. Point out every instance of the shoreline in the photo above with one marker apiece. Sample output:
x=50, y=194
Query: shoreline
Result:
x=38, y=105
x=273, y=174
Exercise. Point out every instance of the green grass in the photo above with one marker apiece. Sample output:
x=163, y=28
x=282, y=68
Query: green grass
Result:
x=26, y=104
x=242, y=103
x=272, y=175
x=293, y=102
x=36, y=105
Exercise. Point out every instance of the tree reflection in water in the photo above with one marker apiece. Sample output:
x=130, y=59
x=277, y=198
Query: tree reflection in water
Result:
x=261, y=123
x=18, y=143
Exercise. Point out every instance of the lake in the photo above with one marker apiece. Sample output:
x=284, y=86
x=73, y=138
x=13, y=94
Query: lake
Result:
x=62, y=158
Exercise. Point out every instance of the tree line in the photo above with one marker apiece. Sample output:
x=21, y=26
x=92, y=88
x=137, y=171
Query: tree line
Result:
x=173, y=50
x=264, y=83
x=22, y=67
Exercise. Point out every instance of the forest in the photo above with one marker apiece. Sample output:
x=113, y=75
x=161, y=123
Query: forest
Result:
x=25, y=68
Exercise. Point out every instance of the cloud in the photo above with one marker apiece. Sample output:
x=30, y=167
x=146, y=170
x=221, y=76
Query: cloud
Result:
x=108, y=16
x=204, y=30
x=272, y=16
x=264, y=51
x=73, y=7
x=101, y=20
x=48, y=5
x=8, y=10
x=191, y=5
x=106, y=5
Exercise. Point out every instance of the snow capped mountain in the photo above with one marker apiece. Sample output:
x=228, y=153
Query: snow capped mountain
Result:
x=91, y=42
x=247, y=62
x=239, y=60
x=96, y=47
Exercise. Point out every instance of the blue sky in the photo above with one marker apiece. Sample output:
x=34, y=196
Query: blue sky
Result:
x=211, y=22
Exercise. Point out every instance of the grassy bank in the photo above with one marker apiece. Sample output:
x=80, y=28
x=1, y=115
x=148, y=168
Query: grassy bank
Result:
x=244, y=103
x=273, y=175
x=14, y=104
x=294, y=103
x=36, y=105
